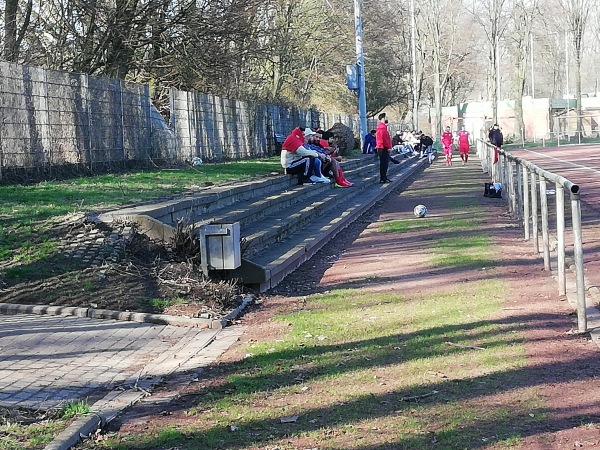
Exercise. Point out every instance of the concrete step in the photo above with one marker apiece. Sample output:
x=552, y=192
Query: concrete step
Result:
x=255, y=209
x=211, y=199
x=310, y=229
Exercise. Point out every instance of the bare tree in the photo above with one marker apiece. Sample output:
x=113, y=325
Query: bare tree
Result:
x=14, y=30
x=577, y=12
x=524, y=12
x=440, y=22
x=492, y=16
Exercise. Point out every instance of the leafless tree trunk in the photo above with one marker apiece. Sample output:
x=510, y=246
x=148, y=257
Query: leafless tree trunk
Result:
x=491, y=17
x=440, y=22
x=523, y=15
x=577, y=12
x=13, y=34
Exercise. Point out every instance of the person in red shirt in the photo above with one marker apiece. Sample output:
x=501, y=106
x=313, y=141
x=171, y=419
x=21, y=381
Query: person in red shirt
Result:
x=447, y=140
x=383, y=143
x=463, y=144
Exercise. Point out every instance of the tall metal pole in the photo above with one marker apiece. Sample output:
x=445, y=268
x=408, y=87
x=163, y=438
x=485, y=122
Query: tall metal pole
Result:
x=413, y=50
x=497, y=76
x=360, y=65
x=566, y=64
x=578, y=256
x=532, y=66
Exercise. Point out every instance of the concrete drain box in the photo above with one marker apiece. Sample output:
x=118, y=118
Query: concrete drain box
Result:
x=220, y=246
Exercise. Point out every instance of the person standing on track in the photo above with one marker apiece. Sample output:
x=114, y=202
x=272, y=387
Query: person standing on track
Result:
x=447, y=140
x=463, y=144
x=384, y=145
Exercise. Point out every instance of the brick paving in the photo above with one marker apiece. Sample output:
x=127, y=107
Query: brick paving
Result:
x=46, y=361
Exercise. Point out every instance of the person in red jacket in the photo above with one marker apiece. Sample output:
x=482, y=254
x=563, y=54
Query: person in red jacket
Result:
x=447, y=140
x=463, y=144
x=383, y=143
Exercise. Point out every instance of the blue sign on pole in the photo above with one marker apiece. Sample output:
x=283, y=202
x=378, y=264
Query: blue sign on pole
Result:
x=352, y=77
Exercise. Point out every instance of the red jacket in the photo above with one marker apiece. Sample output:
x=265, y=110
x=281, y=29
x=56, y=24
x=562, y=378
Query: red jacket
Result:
x=382, y=137
x=463, y=140
x=447, y=138
x=294, y=140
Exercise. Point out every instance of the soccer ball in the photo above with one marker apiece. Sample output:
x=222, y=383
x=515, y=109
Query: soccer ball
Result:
x=420, y=211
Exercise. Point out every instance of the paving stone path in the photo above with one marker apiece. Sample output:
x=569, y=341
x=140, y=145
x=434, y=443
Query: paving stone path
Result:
x=46, y=361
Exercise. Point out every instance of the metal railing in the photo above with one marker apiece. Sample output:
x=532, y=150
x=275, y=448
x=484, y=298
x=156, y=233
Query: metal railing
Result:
x=527, y=198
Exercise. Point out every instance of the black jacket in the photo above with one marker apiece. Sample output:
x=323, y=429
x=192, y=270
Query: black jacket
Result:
x=426, y=140
x=496, y=137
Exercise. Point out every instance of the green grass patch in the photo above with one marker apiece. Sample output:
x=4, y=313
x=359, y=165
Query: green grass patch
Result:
x=73, y=409
x=29, y=437
x=161, y=303
x=424, y=224
x=468, y=250
x=347, y=366
x=28, y=214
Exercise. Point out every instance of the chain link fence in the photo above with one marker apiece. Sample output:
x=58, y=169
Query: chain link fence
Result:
x=56, y=124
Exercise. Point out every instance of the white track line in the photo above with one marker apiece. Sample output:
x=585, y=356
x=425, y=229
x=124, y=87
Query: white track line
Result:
x=563, y=161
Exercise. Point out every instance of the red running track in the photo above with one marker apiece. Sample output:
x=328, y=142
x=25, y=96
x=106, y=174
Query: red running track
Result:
x=581, y=165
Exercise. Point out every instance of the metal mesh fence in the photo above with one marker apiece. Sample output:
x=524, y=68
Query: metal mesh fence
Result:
x=215, y=128
x=55, y=119
x=51, y=120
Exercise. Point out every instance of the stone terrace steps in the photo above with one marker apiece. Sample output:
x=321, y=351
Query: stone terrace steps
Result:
x=296, y=238
x=253, y=209
x=282, y=224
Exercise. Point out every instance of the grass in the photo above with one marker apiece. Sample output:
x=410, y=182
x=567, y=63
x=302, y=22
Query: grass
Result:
x=74, y=409
x=346, y=365
x=25, y=437
x=16, y=436
x=161, y=303
x=358, y=369
x=28, y=213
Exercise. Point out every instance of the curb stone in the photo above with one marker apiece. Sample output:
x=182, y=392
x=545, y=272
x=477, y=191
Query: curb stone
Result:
x=159, y=319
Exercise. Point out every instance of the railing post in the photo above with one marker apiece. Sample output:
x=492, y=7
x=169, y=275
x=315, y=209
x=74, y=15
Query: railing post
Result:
x=545, y=234
x=511, y=185
x=578, y=255
x=560, y=236
x=519, y=193
x=526, y=210
x=534, y=212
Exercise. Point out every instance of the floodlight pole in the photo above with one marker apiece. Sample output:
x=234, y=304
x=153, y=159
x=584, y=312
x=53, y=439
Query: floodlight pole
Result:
x=413, y=51
x=360, y=65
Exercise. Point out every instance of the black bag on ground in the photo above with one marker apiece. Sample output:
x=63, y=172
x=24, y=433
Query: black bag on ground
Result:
x=491, y=191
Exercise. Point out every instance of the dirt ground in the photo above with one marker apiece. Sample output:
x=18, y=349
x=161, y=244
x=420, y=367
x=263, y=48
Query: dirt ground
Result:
x=130, y=275
x=562, y=366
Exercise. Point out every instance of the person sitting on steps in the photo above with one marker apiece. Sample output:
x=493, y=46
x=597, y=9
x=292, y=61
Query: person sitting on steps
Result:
x=329, y=163
x=298, y=160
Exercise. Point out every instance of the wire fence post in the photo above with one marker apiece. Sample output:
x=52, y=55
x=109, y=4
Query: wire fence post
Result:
x=560, y=237
x=534, y=213
x=578, y=255
x=526, y=209
x=545, y=234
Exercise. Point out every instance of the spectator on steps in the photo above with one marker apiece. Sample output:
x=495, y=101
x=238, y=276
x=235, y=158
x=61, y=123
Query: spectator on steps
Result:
x=329, y=163
x=369, y=145
x=298, y=160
